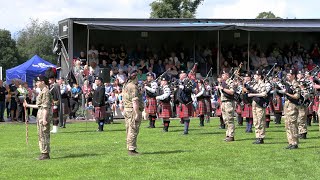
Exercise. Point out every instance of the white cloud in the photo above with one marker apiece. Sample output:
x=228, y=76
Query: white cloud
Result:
x=15, y=15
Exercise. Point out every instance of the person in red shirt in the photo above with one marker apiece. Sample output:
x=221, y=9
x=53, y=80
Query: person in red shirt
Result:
x=311, y=65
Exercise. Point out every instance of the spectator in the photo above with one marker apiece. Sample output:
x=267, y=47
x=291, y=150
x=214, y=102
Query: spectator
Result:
x=112, y=100
x=113, y=55
x=103, y=55
x=132, y=66
x=122, y=54
x=93, y=55
x=311, y=65
x=114, y=68
x=159, y=68
x=121, y=77
x=83, y=58
x=104, y=64
x=315, y=53
x=141, y=76
x=123, y=66
x=109, y=88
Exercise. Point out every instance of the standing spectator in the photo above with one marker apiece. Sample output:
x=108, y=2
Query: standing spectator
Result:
x=3, y=92
x=74, y=100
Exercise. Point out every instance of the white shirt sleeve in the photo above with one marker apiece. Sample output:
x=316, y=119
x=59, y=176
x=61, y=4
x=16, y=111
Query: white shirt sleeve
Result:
x=153, y=87
x=166, y=93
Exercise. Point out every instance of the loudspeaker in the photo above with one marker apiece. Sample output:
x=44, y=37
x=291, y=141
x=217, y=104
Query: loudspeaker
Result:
x=105, y=74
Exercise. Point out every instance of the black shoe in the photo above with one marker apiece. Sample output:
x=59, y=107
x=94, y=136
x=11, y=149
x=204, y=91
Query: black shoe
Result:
x=185, y=132
x=258, y=141
x=133, y=153
x=44, y=156
x=222, y=126
x=292, y=146
x=303, y=136
x=229, y=139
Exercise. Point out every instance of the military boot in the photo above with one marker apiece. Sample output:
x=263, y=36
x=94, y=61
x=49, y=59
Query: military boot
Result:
x=222, y=126
x=303, y=136
x=267, y=124
x=258, y=141
x=291, y=146
x=229, y=139
x=201, y=122
x=44, y=156
x=133, y=153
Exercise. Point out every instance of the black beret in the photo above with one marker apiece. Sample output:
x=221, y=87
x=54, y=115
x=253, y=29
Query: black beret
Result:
x=40, y=78
x=98, y=78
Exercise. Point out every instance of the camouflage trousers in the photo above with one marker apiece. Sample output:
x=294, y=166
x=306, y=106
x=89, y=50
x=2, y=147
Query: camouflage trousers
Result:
x=227, y=109
x=291, y=118
x=259, y=120
x=302, y=119
x=43, y=132
x=132, y=127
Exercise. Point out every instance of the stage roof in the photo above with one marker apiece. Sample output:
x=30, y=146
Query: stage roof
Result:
x=288, y=25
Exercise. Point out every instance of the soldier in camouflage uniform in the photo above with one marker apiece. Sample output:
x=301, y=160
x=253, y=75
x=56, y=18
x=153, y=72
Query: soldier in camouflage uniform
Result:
x=259, y=107
x=292, y=93
x=44, y=116
x=133, y=107
x=227, y=105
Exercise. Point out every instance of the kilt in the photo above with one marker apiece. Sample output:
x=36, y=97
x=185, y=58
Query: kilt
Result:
x=207, y=101
x=247, y=111
x=184, y=111
x=238, y=109
x=165, y=112
x=201, y=110
x=65, y=106
x=277, y=107
x=315, y=103
x=268, y=109
x=151, y=106
x=55, y=112
x=100, y=112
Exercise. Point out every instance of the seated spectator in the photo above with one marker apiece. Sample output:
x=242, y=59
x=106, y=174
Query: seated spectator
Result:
x=123, y=66
x=104, y=64
x=271, y=60
x=109, y=88
x=143, y=67
x=103, y=55
x=114, y=68
x=141, y=76
x=122, y=54
x=121, y=76
x=255, y=60
x=132, y=66
x=159, y=68
x=263, y=60
x=83, y=58
x=113, y=55
x=315, y=53
x=94, y=69
x=150, y=71
x=288, y=58
x=93, y=55
x=311, y=65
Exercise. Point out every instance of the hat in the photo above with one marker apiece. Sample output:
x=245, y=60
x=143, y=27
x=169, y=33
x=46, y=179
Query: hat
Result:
x=165, y=78
x=247, y=74
x=150, y=74
x=182, y=71
x=50, y=73
x=300, y=72
x=258, y=72
x=292, y=71
x=98, y=78
x=133, y=73
x=62, y=78
x=199, y=81
x=40, y=78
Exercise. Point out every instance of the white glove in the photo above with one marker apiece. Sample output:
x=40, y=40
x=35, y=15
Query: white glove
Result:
x=271, y=92
x=157, y=98
x=55, y=107
x=282, y=91
x=181, y=86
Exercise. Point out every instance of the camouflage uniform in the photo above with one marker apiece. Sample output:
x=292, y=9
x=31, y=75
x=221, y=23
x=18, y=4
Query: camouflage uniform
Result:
x=259, y=113
x=131, y=93
x=291, y=115
x=227, y=108
x=44, y=102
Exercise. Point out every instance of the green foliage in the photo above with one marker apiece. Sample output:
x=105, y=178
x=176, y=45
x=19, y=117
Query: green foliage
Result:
x=174, y=8
x=8, y=51
x=79, y=152
x=267, y=15
x=36, y=38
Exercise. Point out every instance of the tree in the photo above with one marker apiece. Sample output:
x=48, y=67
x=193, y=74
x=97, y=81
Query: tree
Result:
x=37, y=38
x=267, y=15
x=174, y=8
x=8, y=51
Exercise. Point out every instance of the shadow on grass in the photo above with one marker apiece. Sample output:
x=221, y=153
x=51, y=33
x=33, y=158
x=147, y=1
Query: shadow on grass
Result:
x=181, y=130
x=165, y=152
x=81, y=131
x=311, y=147
x=76, y=156
x=205, y=133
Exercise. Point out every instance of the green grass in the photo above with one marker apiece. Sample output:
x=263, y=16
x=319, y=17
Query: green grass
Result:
x=78, y=152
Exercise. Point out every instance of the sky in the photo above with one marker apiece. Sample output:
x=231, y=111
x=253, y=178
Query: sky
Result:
x=16, y=14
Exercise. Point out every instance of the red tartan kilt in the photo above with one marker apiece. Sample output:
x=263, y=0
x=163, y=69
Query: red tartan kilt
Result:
x=268, y=110
x=315, y=103
x=238, y=109
x=208, y=105
x=165, y=110
x=185, y=111
x=151, y=107
x=247, y=111
x=218, y=110
x=100, y=112
x=278, y=107
x=201, y=110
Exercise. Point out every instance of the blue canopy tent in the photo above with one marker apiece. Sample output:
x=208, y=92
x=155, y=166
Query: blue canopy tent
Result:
x=28, y=70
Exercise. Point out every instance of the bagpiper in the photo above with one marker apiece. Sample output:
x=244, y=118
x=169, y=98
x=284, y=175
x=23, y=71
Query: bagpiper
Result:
x=164, y=106
x=201, y=106
x=151, y=102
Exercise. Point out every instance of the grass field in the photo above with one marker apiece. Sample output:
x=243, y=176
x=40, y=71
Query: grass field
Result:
x=79, y=152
